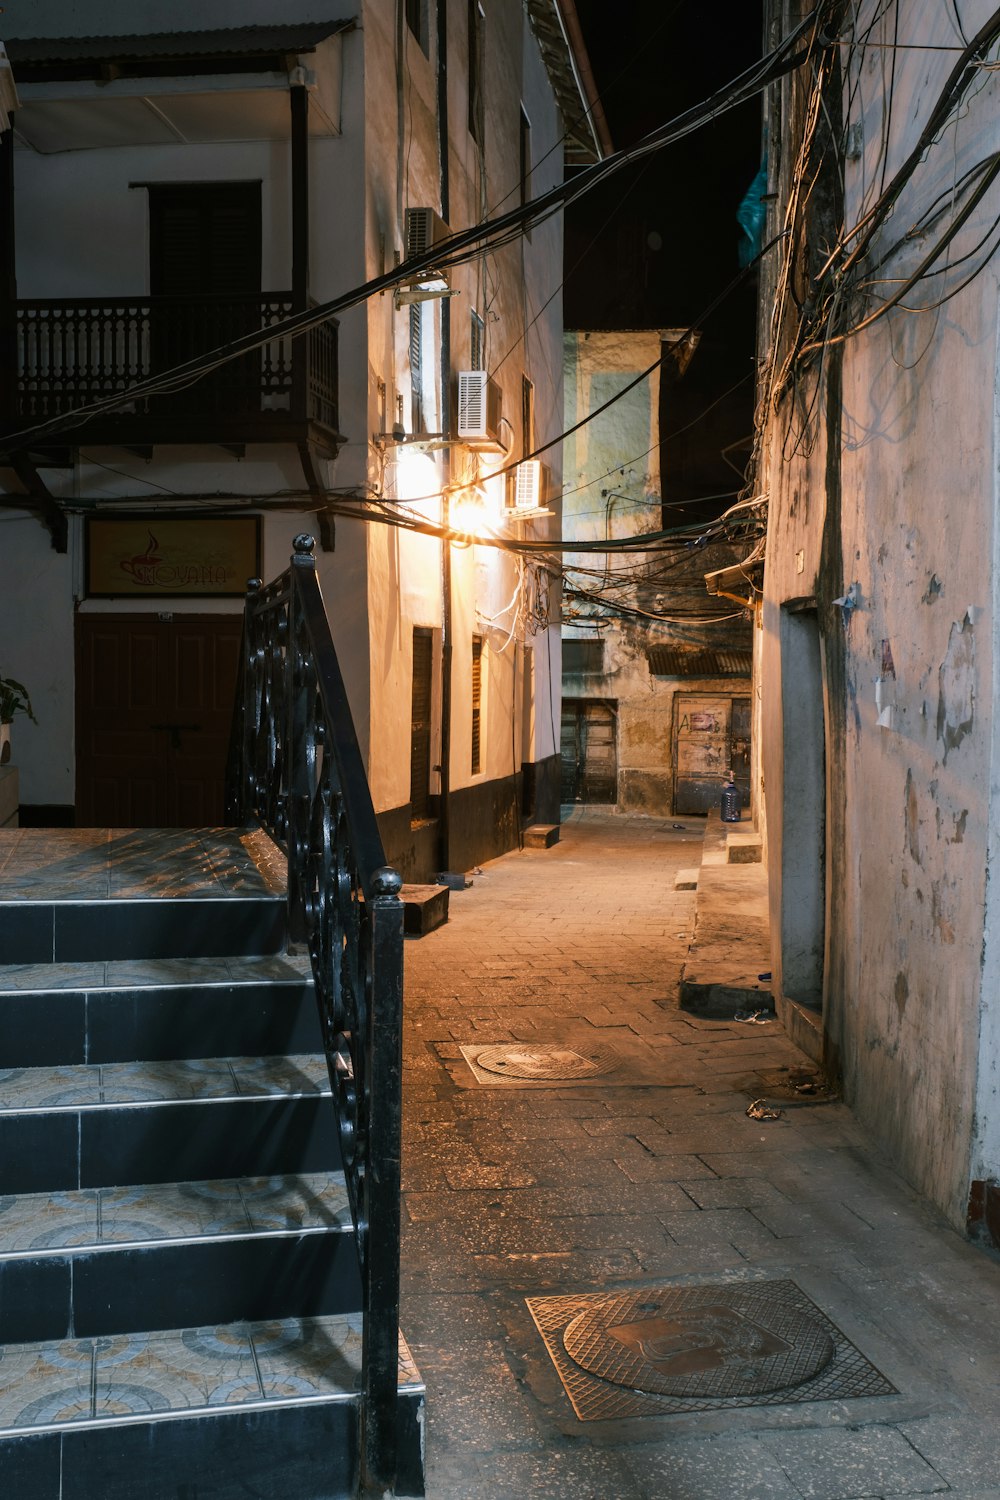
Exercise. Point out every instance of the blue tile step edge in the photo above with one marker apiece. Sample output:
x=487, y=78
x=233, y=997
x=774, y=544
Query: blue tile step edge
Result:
x=46, y=931
x=40, y=1225
x=188, y=1140
x=119, y=1289
x=95, y=1085
x=153, y=1022
x=305, y=1447
x=161, y=1375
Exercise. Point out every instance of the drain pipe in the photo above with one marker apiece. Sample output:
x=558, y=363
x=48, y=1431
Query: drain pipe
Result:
x=444, y=814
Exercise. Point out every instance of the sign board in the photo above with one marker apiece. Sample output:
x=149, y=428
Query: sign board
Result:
x=180, y=556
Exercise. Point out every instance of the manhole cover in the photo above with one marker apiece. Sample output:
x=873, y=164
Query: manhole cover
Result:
x=544, y=1062
x=699, y=1343
x=662, y=1350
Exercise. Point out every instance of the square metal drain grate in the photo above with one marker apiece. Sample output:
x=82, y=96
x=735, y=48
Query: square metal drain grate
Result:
x=661, y=1350
x=530, y=1063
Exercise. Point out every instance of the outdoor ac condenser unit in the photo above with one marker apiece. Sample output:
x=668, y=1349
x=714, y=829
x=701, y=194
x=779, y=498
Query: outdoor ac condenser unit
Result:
x=530, y=486
x=479, y=408
x=423, y=228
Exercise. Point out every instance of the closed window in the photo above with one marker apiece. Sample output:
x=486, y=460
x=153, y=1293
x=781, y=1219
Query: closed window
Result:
x=477, y=29
x=477, y=704
x=420, y=725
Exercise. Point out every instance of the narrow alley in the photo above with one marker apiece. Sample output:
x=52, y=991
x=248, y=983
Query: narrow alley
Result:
x=533, y=1205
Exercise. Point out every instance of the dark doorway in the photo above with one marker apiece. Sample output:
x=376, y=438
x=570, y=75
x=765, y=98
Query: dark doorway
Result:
x=154, y=705
x=420, y=725
x=205, y=263
x=589, y=751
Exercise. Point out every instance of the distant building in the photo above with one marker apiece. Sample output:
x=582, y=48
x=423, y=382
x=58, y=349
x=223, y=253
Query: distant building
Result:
x=656, y=688
x=167, y=193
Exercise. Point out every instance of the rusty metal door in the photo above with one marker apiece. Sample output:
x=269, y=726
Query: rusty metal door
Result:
x=702, y=739
x=588, y=745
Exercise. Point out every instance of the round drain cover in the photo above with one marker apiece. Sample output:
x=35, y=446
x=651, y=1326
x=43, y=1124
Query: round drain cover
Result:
x=711, y=1342
x=544, y=1062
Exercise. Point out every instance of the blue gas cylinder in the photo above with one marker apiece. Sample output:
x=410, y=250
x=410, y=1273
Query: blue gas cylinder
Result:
x=731, y=802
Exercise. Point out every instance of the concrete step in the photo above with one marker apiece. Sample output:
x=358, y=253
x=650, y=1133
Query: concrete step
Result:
x=156, y=1010
x=424, y=908
x=263, y=1407
x=114, y=1124
x=541, y=836
x=114, y=1260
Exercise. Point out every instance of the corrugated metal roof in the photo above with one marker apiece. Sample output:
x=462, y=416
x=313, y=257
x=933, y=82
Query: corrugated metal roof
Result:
x=165, y=46
x=665, y=661
x=557, y=31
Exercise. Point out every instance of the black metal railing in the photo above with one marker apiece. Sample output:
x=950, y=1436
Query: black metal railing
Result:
x=73, y=351
x=296, y=768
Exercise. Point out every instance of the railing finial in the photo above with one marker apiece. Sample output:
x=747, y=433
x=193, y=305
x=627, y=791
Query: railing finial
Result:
x=386, y=881
x=254, y=585
x=303, y=544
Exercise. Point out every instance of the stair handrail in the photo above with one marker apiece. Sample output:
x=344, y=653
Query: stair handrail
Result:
x=296, y=768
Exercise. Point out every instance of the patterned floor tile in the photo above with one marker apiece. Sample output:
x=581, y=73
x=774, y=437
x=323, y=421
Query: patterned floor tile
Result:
x=309, y=1201
x=42, y=1383
x=47, y=1088
x=170, y=1210
x=51, y=977
x=144, y=973
x=174, y=1371
x=199, y=1078
x=309, y=1356
x=302, y=1073
x=48, y=1221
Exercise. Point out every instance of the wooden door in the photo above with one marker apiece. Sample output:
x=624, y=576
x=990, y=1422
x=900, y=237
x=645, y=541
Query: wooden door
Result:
x=154, y=705
x=701, y=750
x=588, y=745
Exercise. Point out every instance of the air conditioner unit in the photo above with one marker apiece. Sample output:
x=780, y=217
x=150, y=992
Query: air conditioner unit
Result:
x=530, y=486
x=479, y=408
x=422, y=229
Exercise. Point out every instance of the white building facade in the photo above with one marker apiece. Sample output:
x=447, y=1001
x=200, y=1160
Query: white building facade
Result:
x=170, y=191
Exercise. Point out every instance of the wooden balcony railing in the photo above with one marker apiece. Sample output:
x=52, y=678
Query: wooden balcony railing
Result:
x=71, y=352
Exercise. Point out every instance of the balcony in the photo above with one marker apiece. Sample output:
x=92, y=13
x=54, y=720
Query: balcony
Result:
x=72, y=352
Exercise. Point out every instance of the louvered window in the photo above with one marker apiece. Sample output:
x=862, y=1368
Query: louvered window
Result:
x=416, y=369
x=420, y=725
x=204, y=238
x=477, y=342
x=477, y=703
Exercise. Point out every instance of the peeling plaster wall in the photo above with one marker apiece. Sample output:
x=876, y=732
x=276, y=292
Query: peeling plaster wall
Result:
x=905, y=520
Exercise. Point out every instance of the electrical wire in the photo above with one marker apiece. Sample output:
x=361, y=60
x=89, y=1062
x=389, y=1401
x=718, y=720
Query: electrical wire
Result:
x=453, y=250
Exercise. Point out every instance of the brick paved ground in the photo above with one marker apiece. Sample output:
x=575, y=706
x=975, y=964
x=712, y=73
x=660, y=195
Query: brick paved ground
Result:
x=654, y=1175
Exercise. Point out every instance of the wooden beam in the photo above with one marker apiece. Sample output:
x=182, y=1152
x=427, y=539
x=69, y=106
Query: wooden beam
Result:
x=38, y=499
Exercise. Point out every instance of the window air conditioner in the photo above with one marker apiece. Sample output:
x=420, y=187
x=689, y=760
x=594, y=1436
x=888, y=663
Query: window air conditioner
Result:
x=422, y=229
x=479, y=407
x=530, y=487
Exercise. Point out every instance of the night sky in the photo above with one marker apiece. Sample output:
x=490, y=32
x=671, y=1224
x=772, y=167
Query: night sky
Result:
x=654, y=246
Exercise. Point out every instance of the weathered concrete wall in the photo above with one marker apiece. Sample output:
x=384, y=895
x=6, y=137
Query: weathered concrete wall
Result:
x=899, y=513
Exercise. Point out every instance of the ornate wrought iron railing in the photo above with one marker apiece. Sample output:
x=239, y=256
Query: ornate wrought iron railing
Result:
x=71, y=351
x=297, y=769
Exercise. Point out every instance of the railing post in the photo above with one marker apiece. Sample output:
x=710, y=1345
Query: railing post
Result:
x=299, y=772
x=380, y=1351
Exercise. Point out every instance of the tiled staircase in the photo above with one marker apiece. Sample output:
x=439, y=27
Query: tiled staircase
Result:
x=179, y=1289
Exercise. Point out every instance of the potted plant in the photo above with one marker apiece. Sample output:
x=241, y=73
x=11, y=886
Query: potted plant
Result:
x=14, y=699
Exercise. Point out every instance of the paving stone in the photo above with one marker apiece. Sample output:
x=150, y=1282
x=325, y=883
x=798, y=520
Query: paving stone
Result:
x=835, y=1465
x=658, y=1177
x=709, y=1471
